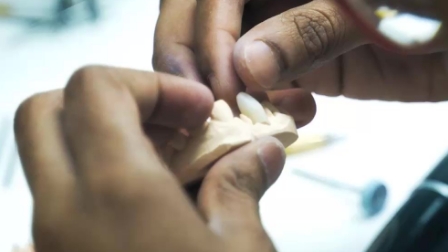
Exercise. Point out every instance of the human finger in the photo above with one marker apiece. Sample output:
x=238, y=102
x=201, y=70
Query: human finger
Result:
x=117, y=166
x=41, y=146
x=297, y=102
x=294, y=42
x=231, y=191
x=174, y=39
x=217, y=28
x=105, y=109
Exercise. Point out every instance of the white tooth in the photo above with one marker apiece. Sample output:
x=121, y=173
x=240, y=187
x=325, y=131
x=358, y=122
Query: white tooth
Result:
x=221, y=111
x=251, y=108
x=245, y=119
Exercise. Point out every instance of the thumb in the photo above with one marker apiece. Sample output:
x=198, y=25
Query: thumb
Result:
x=294, y=42
x=232, y=189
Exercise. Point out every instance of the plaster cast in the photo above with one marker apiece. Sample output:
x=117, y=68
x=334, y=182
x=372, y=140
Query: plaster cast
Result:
x=189, y=155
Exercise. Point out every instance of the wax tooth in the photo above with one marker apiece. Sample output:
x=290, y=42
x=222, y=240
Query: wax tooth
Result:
x=222, y=111
x=245, y=119
x=251, y=108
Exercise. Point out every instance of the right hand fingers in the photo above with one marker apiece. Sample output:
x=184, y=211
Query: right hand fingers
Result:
x=293, y=43
x=296, y=102
x=231, y=191
x=207, y=30
x=218, y=27
x=204, y=33
x=174, y=39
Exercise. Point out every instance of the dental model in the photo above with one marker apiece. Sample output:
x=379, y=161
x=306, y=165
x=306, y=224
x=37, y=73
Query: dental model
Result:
x=189, y=155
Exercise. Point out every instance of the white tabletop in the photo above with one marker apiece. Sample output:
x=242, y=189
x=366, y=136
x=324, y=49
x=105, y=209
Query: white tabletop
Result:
x=397, y=143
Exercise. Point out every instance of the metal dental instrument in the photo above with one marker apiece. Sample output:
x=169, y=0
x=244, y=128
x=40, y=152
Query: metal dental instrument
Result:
x=373, y=195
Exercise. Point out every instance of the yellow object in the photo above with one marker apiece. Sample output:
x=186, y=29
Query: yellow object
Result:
x=384, y=12
x=5, y=10
x=308, y=143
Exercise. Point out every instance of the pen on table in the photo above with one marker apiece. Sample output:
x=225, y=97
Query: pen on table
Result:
x=310, y=142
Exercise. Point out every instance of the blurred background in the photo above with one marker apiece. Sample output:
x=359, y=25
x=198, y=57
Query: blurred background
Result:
x=43, y=42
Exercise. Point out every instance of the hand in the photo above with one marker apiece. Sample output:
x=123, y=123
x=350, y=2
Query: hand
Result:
x=98, y=184
x=306, y=45
x=198, y=44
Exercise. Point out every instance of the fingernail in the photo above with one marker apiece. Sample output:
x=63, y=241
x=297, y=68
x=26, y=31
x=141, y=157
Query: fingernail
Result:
x=271, y=153
x=263, y=64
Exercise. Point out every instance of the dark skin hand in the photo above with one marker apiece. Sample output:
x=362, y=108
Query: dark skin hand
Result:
x=90, y=156
x=300, y=46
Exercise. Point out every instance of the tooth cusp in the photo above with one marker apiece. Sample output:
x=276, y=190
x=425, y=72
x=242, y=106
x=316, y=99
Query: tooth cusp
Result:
x=251, y=108
x=222, y=111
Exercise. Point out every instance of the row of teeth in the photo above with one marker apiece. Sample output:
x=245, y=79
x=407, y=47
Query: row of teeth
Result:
x=251, y=110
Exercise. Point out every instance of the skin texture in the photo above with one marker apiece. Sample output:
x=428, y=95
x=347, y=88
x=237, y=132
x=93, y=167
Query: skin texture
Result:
x=98, y=183
x=300, y=46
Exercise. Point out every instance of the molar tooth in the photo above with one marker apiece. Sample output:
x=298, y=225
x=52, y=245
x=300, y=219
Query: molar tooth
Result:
x=222, y=111
x=251, y=108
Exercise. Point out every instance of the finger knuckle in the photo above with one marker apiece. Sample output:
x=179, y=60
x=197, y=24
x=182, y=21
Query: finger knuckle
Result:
x=29, y=110
x=82, y=80
x=93, y=85
x=23, y=113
